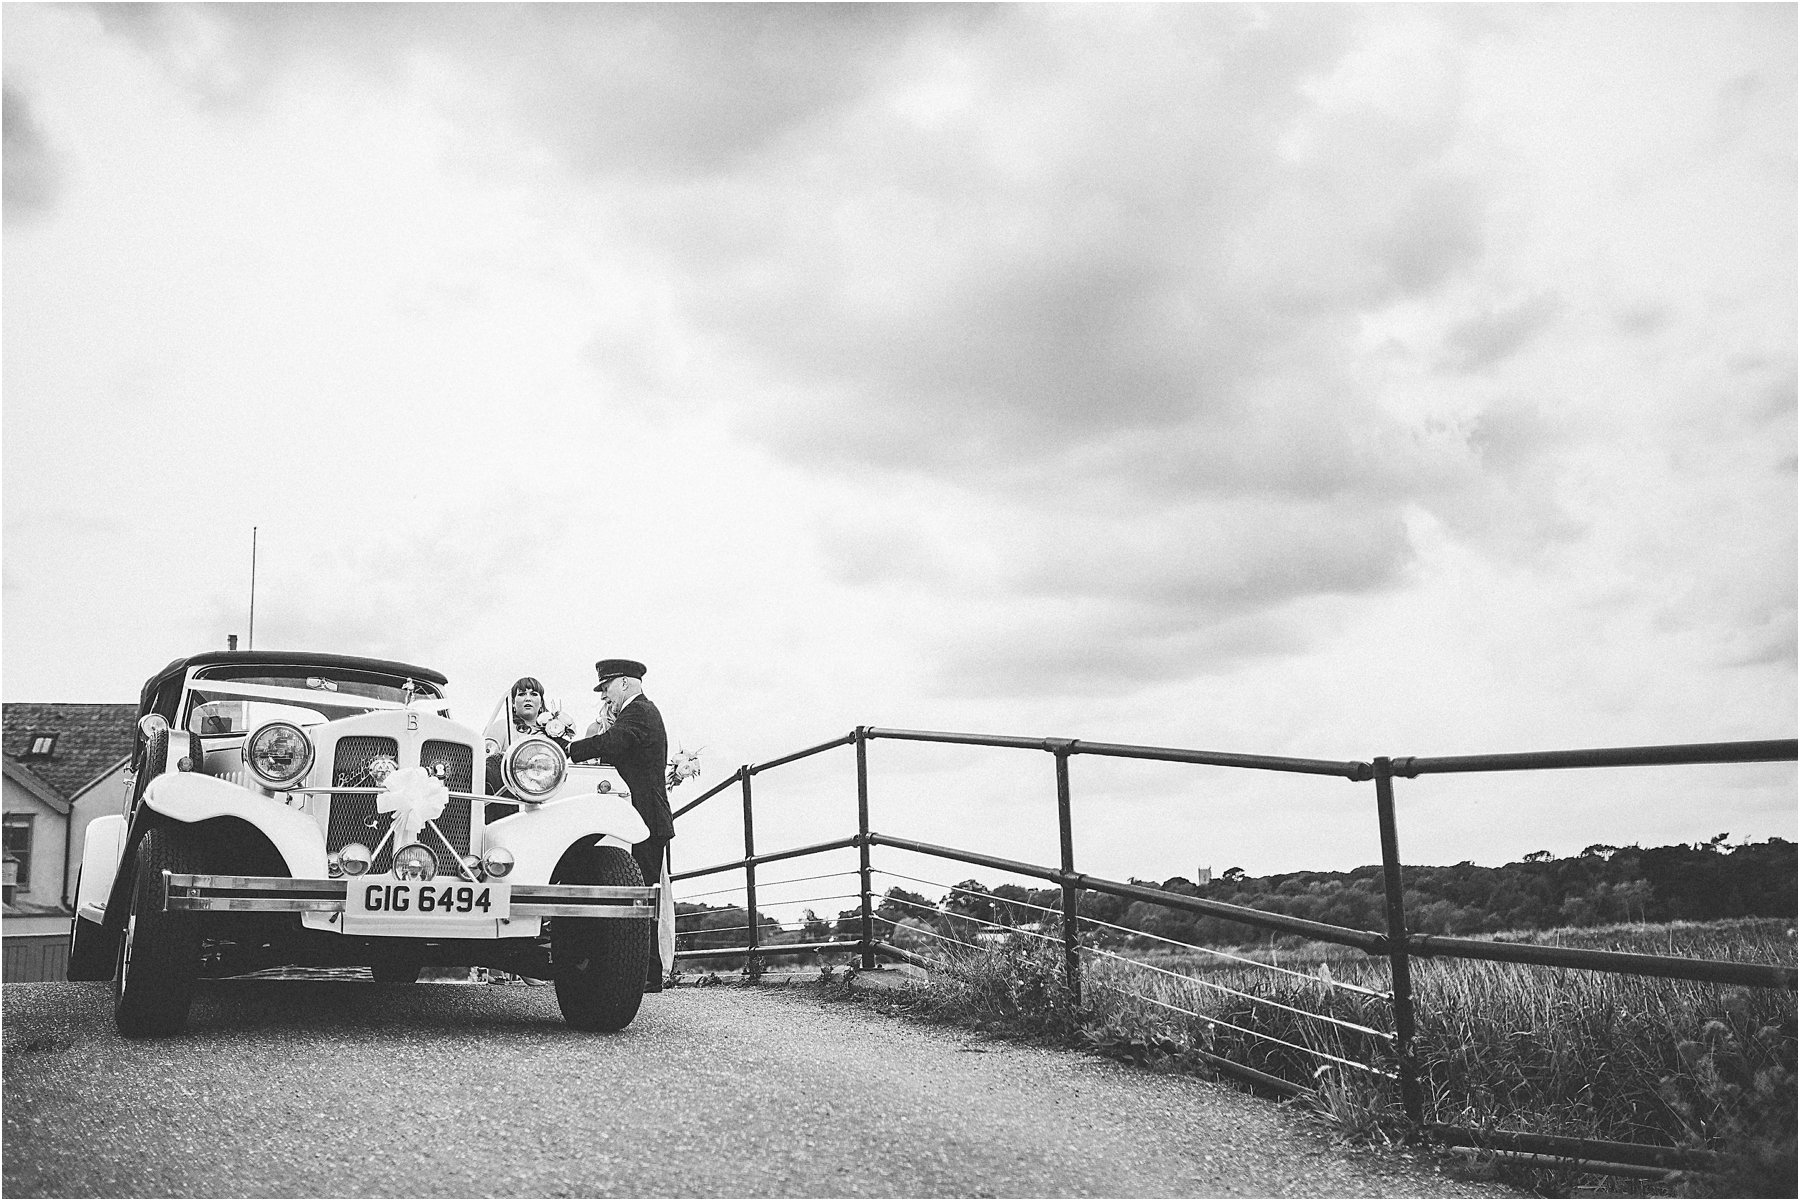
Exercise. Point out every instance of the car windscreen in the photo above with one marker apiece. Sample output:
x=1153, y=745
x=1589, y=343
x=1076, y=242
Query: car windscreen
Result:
x=234, y=702
x=326, y=684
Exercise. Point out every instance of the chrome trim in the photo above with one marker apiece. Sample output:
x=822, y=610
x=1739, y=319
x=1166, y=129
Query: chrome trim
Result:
x=190, y=892
x=462, y=868
x=454, y=795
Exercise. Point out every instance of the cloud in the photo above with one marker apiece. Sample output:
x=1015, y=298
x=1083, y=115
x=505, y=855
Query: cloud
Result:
x=1180, y=593
x=1066, y=649
x=1484, y=341
x=33, y=175
x=663, y=91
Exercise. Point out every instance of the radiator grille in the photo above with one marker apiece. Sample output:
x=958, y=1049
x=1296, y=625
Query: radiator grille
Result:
x=457, y=759
x=355, y=818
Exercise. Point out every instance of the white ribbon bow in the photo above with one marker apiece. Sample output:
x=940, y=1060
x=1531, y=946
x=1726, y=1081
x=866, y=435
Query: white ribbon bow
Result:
x=414, y=796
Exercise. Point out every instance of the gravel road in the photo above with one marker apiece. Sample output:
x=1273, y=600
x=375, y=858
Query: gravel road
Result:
x=335, y=1088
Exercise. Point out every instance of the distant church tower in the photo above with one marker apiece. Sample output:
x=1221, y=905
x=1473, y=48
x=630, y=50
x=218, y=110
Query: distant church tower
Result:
x=1203, y=876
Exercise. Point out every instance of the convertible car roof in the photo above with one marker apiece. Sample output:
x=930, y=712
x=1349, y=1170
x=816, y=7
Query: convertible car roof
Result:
x=286, y=659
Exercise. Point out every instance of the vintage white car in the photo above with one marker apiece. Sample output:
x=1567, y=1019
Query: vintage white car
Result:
x=324, y=810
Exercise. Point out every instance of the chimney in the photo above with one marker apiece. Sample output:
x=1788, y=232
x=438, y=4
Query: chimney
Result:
x=231, y=642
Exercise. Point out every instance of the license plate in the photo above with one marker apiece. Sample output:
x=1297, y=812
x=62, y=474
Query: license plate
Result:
x=379, y=898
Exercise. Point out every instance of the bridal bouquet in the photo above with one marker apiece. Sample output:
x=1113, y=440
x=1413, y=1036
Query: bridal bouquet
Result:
x=552, y=723
x=683, y=765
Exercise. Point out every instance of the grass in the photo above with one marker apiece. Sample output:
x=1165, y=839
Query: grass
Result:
x=1499, y=1046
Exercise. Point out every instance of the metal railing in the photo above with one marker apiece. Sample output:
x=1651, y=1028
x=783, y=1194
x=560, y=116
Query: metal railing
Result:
x=1395, y=943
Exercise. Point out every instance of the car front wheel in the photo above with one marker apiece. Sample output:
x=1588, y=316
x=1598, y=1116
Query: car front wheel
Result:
x=159, y=953
x=599, y=962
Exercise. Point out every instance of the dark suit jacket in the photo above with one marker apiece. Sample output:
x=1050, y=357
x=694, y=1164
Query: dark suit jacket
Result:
x=636, y=745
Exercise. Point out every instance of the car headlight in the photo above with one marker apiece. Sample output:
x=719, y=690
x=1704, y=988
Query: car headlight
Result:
x=534, y=768
x=279, y=754
x=353, y=859
x=414, y=862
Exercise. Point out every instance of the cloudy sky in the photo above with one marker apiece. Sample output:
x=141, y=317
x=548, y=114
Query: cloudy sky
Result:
x=1327, y=381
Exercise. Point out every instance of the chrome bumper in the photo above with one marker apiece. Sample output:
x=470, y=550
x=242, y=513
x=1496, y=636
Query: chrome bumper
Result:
x=281, y=894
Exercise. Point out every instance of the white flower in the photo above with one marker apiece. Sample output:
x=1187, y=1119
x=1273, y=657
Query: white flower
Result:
x=683, y=765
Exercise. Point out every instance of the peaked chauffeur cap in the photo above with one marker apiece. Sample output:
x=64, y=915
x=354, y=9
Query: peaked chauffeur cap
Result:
x=612, y=669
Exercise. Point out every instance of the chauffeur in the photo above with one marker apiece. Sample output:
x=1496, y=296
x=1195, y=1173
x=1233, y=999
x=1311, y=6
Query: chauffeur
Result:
x=637, y=745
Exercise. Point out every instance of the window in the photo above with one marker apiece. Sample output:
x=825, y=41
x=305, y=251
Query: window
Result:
x=18, y=849
x=41, y=746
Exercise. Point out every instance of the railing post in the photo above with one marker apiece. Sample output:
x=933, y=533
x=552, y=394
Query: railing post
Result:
x=749, y=866
x=862, y=836
x=1398, y=955
x=1071, y=895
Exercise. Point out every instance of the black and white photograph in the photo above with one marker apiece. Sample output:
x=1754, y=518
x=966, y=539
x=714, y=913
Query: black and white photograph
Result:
x=899, y=599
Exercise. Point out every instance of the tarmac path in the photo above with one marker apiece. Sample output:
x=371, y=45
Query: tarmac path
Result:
x=347, y=1088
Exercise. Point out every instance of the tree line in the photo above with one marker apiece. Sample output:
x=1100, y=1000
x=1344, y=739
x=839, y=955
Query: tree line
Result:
x=1602, y=885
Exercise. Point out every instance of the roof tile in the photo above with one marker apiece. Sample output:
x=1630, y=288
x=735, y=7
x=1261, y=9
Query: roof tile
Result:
x=90, y=740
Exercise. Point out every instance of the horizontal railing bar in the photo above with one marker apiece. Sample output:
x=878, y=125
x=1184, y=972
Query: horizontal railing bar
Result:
x=840, y=844
x=764, y=949
x=1765, y=751
x=1644, y=1154
x=1201, y=982
x=844, y=740
x=1119, y=750
x=767, y=884
x=1244, y=963
x=708, y=795
x=1351, y=770
x=1713, y=971
x=1363, y=940
x=1590, y=1167
x=1286, y=1088
x=1257, y=1034
x=904, y=956
x=1127, y=930
x=1001, y=740
x=975, y=857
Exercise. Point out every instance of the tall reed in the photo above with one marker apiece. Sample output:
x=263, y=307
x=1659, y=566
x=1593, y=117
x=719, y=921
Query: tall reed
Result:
x=1498, y=1046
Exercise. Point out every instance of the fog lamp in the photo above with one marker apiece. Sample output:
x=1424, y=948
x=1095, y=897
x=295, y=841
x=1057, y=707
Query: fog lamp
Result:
x=334, y=865
x=497, y=861
x=353, y=859
x=414, y=862
x=471, y=865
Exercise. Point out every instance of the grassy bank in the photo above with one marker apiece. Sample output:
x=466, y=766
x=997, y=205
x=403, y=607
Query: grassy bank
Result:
x=1572, y=1053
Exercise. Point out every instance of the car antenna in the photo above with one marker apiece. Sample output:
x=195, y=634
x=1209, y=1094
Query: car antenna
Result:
x=252, y=639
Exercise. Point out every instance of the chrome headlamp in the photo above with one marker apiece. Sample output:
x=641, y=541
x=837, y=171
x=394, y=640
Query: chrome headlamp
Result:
x=414, y=862
x=534, y=768
x=353, y=859
x=279, y=754
x=497, y=862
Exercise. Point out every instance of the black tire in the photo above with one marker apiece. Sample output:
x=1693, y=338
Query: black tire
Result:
x=156, y=758
x=396, y=971
x=598, y=963
x=159, y=952
x=91, y=954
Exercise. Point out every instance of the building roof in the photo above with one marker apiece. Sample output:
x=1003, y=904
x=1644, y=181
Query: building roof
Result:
x=91, y=740
x=23, y=776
